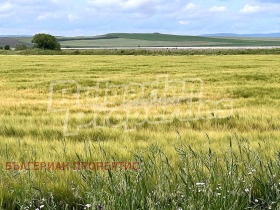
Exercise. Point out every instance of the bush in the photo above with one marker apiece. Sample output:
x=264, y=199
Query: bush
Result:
x=1, y=48
x=21, y=47
x=7, y=47
x=46, y=41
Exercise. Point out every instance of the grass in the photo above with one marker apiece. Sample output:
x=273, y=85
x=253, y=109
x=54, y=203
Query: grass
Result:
x=154, y=52
x=223, y=163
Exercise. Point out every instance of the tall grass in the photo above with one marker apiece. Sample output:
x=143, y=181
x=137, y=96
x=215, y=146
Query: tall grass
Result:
x=237, y=178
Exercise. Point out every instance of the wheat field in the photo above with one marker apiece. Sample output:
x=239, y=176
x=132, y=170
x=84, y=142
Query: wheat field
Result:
x=208, y=160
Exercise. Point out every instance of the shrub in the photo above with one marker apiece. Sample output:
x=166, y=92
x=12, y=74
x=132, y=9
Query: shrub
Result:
x=21, y=47
x=7, y=47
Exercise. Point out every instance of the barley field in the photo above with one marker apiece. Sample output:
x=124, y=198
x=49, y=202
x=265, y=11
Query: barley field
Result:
x=218, y=147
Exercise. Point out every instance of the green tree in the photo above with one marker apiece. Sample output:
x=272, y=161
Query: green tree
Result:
x=46, y=41
x=7, y=47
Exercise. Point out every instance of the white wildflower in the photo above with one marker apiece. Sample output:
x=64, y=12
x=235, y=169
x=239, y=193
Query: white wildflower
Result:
x=200, y=184
x=88, y=205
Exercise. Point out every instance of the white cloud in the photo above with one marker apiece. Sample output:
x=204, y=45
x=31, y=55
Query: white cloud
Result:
x=190, y=6
x=249, y=9
x=128, y=6
x=6, y=7
x=118, y=4
x=46, y=16
x=218, y=9
x=102, y=3
x=183, y=22
x=72, y=18
x=134, y=4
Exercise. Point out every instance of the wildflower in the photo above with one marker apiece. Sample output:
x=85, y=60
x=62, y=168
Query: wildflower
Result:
x=200, y=184
x=218, y=194
x=87, y=205
x=247, y=190
x=42, y=206
x=256, y=200
x=250, y=173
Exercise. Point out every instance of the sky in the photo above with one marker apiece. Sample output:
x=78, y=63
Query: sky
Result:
x=96, y=17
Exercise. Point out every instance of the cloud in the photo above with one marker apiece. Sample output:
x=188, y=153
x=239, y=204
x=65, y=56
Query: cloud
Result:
x=46, y=16
x=190, y=6
x=135, y=4
x=146, y=7
x=183, y=22
x=249, y=9
x=269, y=1
x=119, y=4
x=6, y=7
x=72, y=18
x=218, y=9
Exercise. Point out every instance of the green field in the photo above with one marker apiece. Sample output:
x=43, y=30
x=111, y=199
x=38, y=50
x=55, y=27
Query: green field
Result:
x=157, y=40
x=210, y=161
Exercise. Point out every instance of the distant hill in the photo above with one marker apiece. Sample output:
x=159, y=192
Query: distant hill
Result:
x=272, y=35
x=15, y=36
x=12, y=42
x=158, y=40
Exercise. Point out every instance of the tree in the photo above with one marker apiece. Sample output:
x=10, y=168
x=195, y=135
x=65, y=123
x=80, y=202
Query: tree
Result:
x=7, y=47
x=45, y=41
